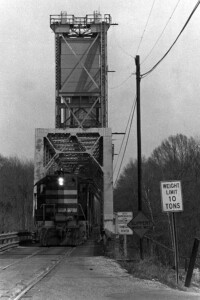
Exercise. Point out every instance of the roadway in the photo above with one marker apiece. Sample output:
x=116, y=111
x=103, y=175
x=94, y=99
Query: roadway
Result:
x=80, y=273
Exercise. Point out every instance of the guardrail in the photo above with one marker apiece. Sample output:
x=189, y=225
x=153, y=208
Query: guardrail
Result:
x=189, y=263
x=71, y=19
x=8, y=240
x=13, y=239
x=26, y=236
x=165, y=253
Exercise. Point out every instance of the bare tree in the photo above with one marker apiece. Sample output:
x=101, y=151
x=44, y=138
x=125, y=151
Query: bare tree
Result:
x=177, y=158
x=16, y=185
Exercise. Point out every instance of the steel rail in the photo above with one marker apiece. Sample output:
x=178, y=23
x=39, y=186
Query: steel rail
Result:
x=41, y=276
x=19, y=260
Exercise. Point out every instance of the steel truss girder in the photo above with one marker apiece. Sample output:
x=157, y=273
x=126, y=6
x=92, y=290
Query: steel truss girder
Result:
x=77, y=120
x=100, y=38
x=79, y=60
x=87, y=113
x=61, y=155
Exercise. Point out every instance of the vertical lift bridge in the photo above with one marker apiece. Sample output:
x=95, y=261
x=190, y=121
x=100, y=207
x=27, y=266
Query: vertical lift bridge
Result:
x=81, y=143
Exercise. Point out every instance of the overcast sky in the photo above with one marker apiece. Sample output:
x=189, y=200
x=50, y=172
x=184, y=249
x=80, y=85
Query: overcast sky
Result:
x=170, y=95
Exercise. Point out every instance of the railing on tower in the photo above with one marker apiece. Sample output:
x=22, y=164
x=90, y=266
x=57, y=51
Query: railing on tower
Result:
x=95, y=18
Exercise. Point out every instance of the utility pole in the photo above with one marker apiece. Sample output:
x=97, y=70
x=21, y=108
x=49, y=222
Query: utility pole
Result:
x=139, y=156
x=137, y=62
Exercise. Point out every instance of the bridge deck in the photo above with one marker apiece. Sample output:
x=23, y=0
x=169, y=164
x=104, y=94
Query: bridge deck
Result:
x=74, y=273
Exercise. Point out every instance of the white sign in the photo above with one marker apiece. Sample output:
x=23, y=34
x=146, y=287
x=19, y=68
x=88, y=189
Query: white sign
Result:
x=123, y=218
x=124, y=229
x=126, y=214
x=171, y=196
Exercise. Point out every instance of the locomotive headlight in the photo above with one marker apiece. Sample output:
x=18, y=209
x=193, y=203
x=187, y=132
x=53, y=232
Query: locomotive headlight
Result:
x=61, y=180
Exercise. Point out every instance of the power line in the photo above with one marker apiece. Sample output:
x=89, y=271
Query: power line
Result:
x=126, y=143
x=161, y=32
x=117, y=86
x=122, y=49
x=145, y=26
x=133, y=111
x=186, y=23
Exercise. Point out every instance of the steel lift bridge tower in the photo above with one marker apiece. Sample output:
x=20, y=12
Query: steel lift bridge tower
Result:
x=81, y=143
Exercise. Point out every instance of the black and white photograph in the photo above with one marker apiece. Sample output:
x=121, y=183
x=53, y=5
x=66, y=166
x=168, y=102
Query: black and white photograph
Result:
x=100, y=149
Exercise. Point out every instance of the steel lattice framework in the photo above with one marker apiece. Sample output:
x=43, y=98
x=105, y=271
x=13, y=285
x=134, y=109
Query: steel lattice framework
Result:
x=81, y=70
x=81, y=143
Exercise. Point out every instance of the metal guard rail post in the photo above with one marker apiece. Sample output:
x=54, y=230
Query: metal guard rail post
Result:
x=8, y=240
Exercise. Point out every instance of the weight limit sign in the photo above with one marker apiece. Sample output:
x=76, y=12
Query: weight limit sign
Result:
x=171, y=196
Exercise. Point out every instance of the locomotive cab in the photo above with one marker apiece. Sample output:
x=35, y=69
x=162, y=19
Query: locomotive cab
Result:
x=58, y=213
x=62, y=208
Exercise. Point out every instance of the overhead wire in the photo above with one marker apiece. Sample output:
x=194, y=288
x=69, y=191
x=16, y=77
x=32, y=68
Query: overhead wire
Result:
x=145, y=27
x=125, y=52
x=156, y=42
x=120, y=47
x=131, y=121
x=186, y=23
x=134, y=104
x=125, y=145
x=146, y=73
x=124, y=136
x=124, y=81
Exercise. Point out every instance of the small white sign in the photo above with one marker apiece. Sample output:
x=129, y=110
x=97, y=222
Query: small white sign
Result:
x=125, y=214
x=124, y=229
x=123, y=218
x=171, y=196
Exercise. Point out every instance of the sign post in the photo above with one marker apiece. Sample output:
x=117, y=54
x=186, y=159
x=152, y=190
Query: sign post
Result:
x=123, y=219
x=140, y=225
x=171, y=197
x=125, y=245
x=176, y=259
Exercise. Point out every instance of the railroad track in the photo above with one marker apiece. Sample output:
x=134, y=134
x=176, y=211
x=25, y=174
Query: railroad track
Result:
x=18, y=261
x=24, y=271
